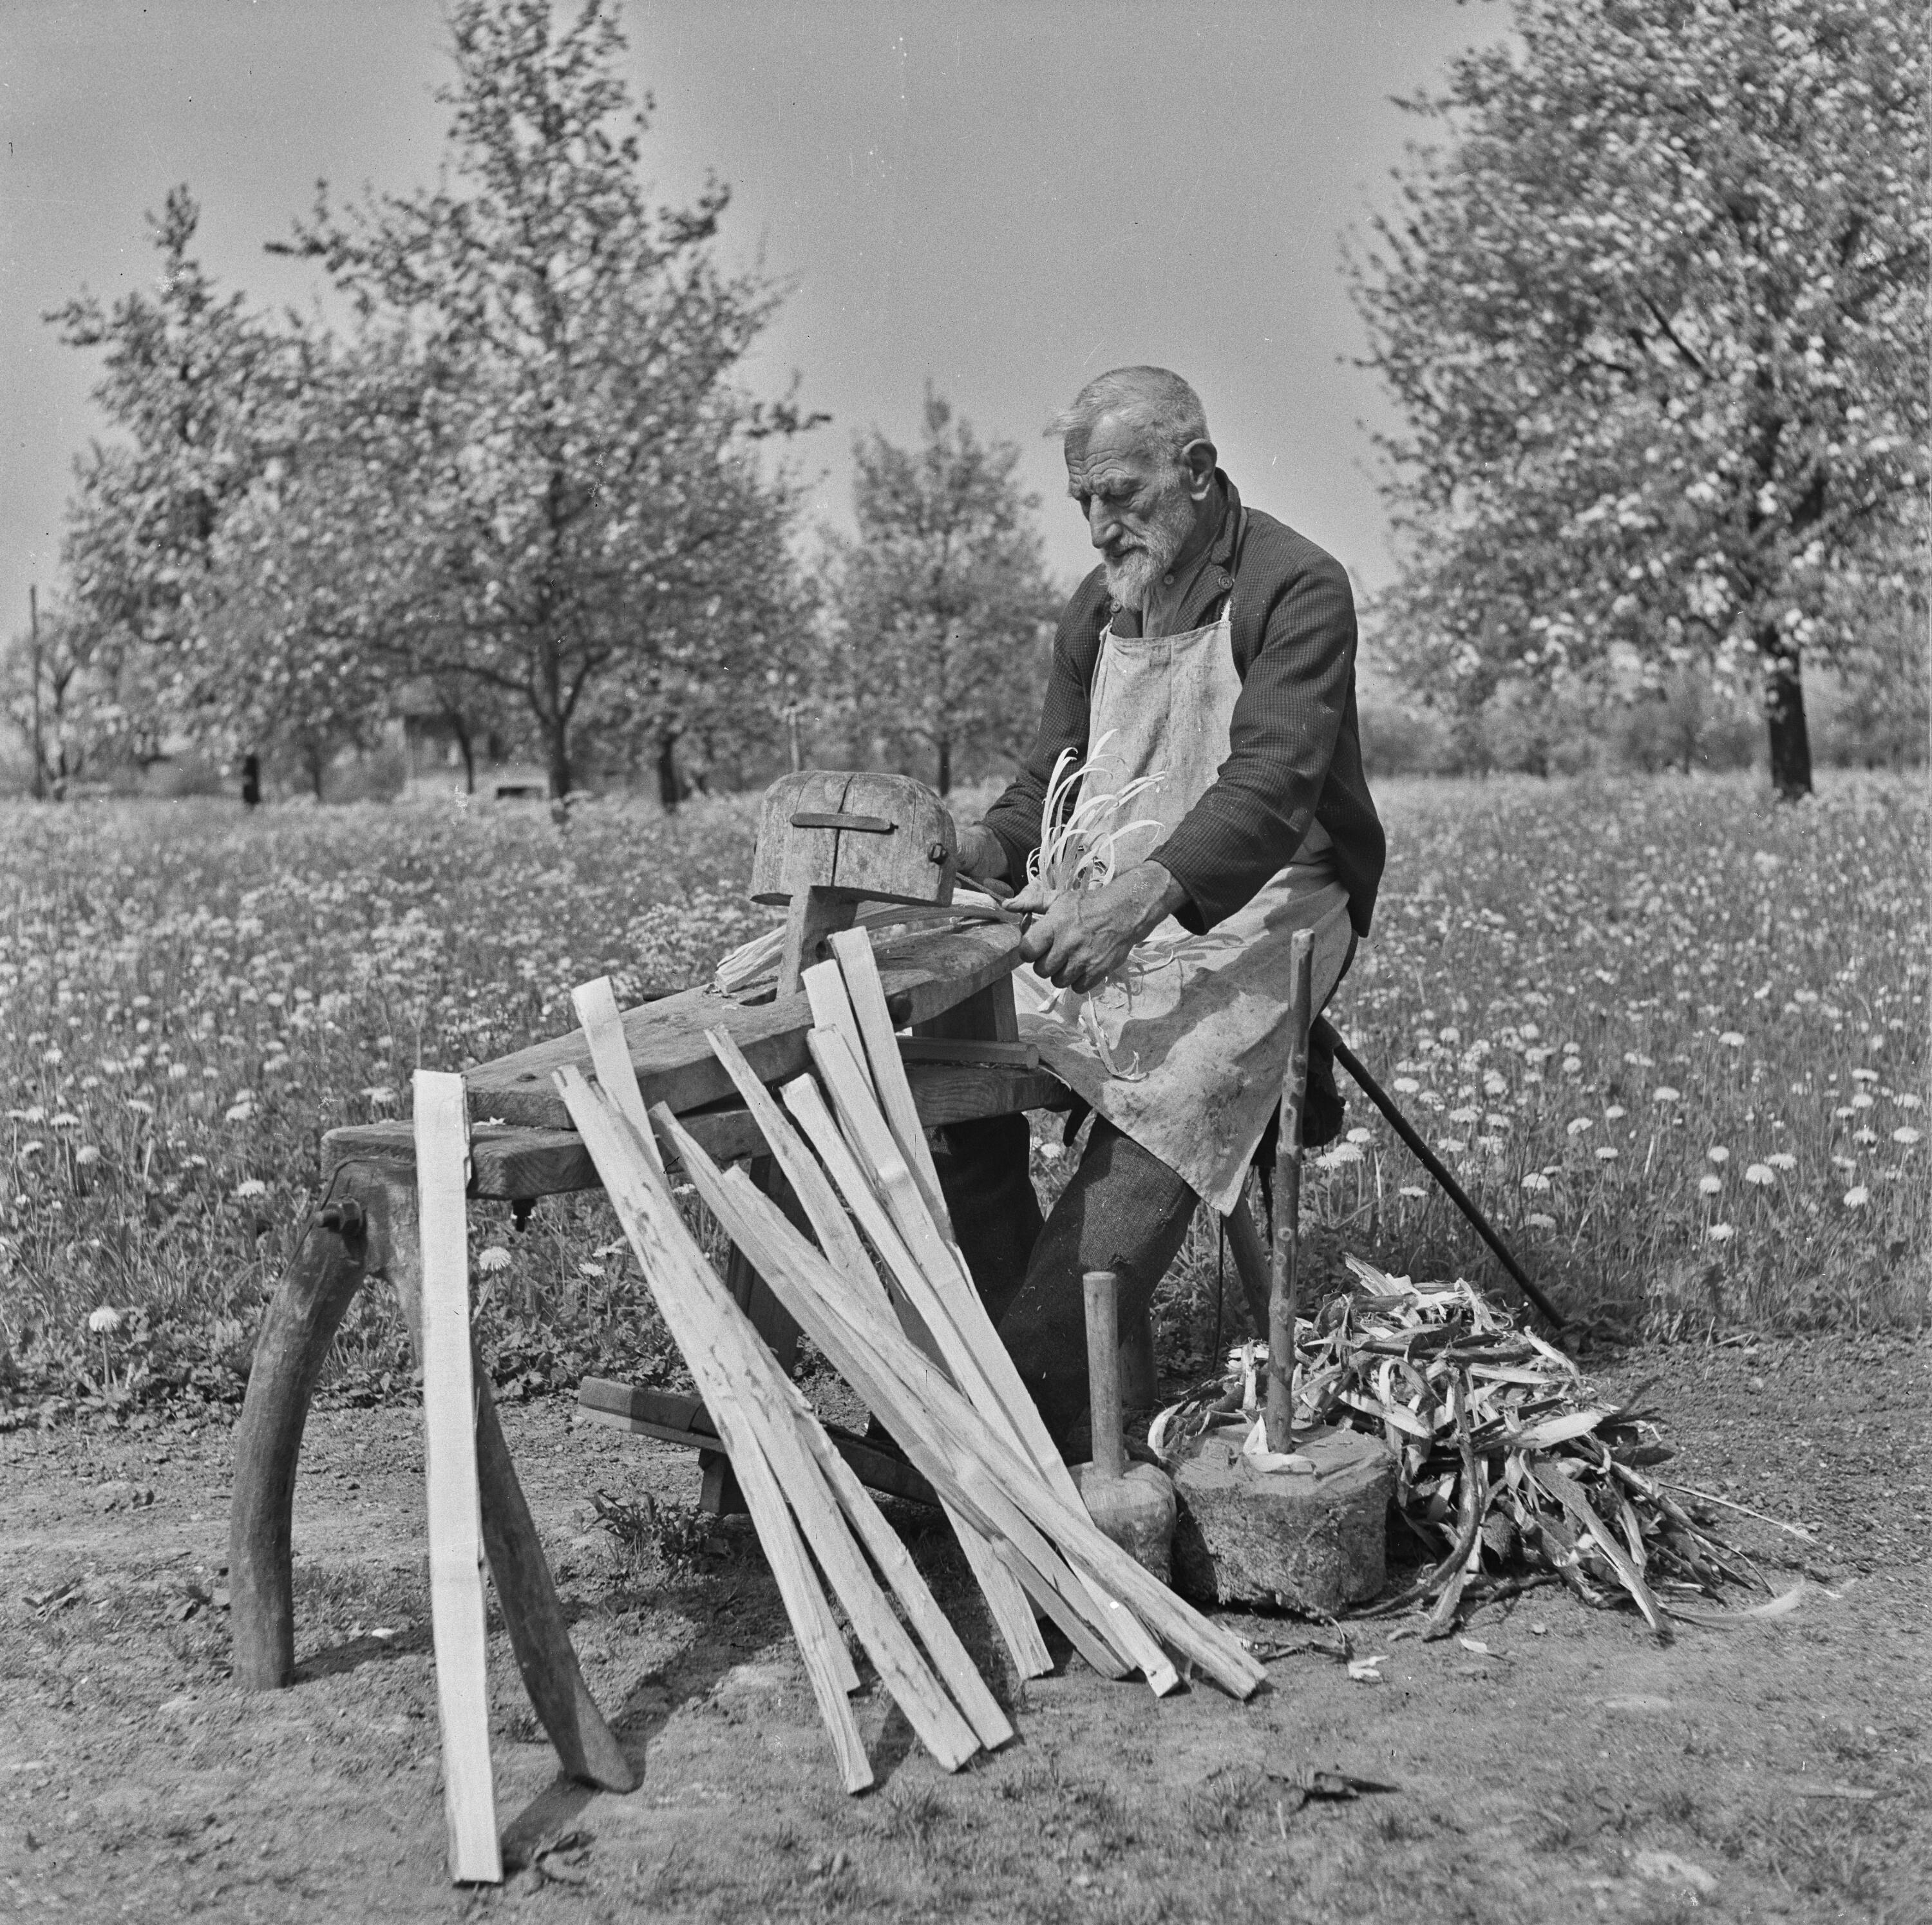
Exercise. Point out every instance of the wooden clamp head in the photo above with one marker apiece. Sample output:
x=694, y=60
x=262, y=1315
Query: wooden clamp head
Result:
x=828, y=839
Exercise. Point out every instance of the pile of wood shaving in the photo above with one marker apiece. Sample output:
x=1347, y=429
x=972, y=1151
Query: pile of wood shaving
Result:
x=1512, y=1471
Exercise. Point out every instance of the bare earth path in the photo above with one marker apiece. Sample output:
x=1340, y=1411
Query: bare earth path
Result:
x=1575, y=1771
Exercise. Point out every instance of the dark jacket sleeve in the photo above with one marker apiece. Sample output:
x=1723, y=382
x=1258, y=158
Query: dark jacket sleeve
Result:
x=1295, y=689
x=1014, y=818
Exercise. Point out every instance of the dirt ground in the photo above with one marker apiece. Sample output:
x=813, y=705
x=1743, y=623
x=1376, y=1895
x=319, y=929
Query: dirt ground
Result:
x=1573, y=1769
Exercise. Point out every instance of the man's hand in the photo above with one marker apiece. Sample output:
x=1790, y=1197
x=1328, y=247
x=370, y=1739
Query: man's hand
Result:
x=982, y=856
x=1081, y=938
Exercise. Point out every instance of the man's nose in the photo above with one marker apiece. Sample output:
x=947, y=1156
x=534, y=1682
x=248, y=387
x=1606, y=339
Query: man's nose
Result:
x=1102, y=524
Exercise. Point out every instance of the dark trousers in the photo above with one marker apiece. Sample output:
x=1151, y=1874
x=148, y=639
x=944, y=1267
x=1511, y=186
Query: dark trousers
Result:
x=1124, y=1210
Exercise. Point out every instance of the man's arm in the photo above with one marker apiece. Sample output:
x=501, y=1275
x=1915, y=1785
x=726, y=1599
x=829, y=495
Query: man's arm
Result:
x=1011, y=827
x=1281, y=739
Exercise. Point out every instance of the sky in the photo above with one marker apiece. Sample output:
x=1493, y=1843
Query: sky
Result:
x=1002, y=198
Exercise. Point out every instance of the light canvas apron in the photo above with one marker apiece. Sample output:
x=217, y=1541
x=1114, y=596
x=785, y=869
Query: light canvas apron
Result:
x=1203, y=1047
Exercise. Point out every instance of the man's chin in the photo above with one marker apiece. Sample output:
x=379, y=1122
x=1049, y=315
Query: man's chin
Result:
x=1128, y=582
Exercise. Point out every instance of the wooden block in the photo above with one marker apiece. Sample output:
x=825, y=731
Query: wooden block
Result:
x=987, y=1016
x=455, y=1508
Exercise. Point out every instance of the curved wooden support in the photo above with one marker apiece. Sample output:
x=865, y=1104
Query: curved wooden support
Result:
x=297, y=1326
x=297, y=1329
x=534, y=1616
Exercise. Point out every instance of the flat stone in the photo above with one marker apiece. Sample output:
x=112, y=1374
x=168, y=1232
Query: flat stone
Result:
x=1286, y=1538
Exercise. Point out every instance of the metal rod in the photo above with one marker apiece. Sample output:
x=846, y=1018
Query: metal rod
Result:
x=1284, y=1278
x=1430, y=1161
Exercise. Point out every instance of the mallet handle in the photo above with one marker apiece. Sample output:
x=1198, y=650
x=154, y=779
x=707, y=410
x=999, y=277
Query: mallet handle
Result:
x=1102, y=1289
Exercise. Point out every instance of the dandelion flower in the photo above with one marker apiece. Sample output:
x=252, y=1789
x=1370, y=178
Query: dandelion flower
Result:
x=1857, y=1196
x=1359, y=1136
x=491, y=1257
x=67, y=1119
x=1534, y=1182
x=379, y=1093
x=1536, y=1220
x=1454, y=1145
x=1605, y=1153
x=1709, y=1185
x=1721, y=1233
x=1414, y=1190
x=1615, y=1111
x=1841, y=1114
x=1760, y=1174
x=1782, y=1159
x=178, y=1073
x=239, y=1112
x=1864, y=1136
x=87, y=1153
x=1577, y=1126
x=1464, y=1115
x=1343, y=1153
x=1572, y=1066
x=1718, y=1153
x=590, y=1269
x=252, y=1186
x=1406, y=1086
x=1732, y=1039
x=1905, y=1133
x=1664, y=1094
x=1907, y=1100
x=103, y=1320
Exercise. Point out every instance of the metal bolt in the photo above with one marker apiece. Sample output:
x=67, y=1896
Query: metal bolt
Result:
x=935, y=852
x=346, y=1218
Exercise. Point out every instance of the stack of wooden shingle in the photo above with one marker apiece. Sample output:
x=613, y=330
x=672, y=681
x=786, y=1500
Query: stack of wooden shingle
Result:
x=884, y=1294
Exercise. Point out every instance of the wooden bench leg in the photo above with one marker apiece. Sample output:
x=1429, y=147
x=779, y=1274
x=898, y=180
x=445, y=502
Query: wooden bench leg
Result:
x=297, y=1329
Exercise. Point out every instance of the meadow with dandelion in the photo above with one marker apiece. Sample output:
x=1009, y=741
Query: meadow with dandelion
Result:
x=1672, y=1036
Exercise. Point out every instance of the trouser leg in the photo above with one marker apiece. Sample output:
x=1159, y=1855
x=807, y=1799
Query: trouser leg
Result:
x=985, y=1176
x=1124, y=1210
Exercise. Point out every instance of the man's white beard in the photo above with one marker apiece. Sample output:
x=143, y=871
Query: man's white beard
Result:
x=1129, y=579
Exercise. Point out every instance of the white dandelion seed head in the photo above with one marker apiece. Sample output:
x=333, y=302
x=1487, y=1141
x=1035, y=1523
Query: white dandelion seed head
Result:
x=492, y=1257
x=103, y=1320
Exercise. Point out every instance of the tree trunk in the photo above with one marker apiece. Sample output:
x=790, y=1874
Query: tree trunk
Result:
x=670, y=785
x=1790, y=740
x=557, y=756
x=465, y=745
x=946, y=765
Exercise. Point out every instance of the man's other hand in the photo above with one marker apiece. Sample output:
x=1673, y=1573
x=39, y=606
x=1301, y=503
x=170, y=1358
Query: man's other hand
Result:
x=1083, y=937
x=982, y=856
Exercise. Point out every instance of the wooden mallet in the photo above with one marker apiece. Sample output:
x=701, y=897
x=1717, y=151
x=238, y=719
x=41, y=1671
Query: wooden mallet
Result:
x=1134, y=1506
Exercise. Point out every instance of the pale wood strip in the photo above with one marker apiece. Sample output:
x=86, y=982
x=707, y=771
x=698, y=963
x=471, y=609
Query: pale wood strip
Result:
x=595, y=1004
x=853, y=951
x=633, y=1191
x=455, y=1504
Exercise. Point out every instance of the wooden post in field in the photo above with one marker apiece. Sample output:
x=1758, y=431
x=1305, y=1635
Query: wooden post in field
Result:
x=455, y=1500
x=1282, y=1291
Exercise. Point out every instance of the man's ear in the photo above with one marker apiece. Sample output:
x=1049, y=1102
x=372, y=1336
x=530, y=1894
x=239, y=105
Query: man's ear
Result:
x=1200, y=460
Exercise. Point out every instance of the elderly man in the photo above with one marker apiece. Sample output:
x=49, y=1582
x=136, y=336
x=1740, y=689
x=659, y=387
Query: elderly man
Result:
x=1213, y=649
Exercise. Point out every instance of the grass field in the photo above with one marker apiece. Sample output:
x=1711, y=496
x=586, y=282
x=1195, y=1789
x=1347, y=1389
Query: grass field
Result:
x=1674, y=1037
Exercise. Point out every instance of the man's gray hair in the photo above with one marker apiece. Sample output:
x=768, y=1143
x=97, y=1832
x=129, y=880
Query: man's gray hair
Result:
x=1154, y=401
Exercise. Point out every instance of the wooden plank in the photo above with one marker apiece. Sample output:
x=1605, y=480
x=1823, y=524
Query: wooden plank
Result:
x=455, y=1502
x=633, y=1188
x=925, y=972
x=1278, y=1415
x=831, y=1005
x=963, y=1049
x=516, y=1163
x=873, y=1357
x=595, y=1004
x=854, y=953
